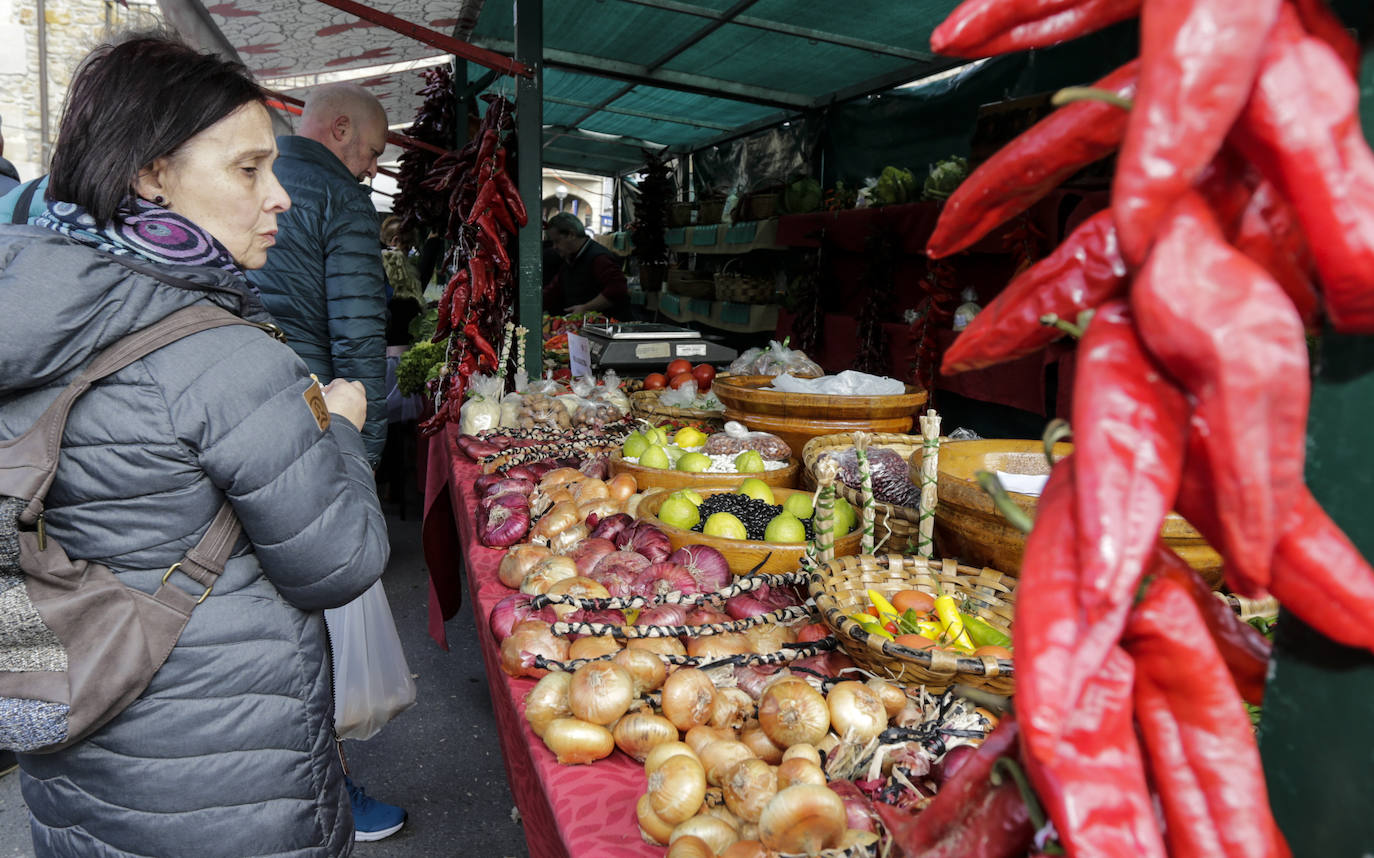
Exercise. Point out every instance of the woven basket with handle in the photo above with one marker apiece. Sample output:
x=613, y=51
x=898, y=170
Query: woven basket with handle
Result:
x=840, y=588
x=897, y=524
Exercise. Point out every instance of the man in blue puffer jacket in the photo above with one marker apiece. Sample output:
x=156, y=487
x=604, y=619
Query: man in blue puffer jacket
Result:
x=323, y=283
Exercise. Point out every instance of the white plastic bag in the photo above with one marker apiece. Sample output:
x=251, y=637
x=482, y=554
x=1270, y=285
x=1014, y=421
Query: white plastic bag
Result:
x=372, y=681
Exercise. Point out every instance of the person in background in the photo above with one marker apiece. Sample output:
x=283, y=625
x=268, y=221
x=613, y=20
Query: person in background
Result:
x=590, y=279
x=161, y=196
x=9, y=177
x=323, y=283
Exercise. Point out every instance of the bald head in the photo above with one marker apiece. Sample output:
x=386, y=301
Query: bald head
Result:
x=348, y=121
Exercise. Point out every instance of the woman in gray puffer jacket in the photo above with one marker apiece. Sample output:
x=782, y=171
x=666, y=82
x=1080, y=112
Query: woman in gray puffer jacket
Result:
x=162, y=192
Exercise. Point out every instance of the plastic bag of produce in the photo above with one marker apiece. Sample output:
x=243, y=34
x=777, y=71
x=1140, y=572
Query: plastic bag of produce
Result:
x=737, y=438
x=609, y=391
x=510, y=410
x=372, y=681
x=780, y=359
x=482, y=410
x=847, y=383
x=744, y=364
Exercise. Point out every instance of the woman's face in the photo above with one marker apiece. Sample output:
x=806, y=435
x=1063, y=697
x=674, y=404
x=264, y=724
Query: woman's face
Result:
x=222, y=181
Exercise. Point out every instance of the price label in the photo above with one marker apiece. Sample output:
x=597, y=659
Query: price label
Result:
x=653, y=351
x=579, y=355
x=691, y=350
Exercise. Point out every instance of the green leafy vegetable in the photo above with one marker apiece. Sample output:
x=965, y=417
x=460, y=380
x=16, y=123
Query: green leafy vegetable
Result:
x=417, y=366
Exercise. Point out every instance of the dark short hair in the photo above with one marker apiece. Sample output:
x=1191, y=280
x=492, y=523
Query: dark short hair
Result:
x=134, y=101
x=568, y=224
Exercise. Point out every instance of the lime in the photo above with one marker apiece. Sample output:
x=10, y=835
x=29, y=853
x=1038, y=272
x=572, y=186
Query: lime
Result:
x=785, y=527
x=678, y=512
x=694, y=463
x=757, y=488
x=799, y=504
x=749, y=460
x=726, y=525
x=689, y=436
x=634, y=446
x=654, y=457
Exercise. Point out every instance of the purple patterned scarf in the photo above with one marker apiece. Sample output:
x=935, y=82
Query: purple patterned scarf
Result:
x=141, y=229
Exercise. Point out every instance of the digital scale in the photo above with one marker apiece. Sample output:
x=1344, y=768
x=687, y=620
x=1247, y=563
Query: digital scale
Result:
x=644, y=347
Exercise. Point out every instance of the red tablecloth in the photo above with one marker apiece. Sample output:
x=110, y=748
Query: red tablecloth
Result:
x=567, y=811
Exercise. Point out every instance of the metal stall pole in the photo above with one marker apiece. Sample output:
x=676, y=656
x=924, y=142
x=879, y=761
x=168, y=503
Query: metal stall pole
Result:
x=529, y=122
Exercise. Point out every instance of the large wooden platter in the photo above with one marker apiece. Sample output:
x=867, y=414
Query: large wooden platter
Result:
x=743, y=554
x=745, y=394
x=665, y=478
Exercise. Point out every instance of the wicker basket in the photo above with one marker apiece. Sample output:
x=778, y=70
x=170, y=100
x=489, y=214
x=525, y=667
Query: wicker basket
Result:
x=710, y=211
x=895, y=526
x=680, y=214
x=840, y=589
x=691, y=284
x=761, y=206
x=743, y=289
x=644, y=404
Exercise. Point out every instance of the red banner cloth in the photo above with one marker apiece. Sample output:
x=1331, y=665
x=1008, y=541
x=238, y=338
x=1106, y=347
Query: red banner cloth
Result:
x=583, y=811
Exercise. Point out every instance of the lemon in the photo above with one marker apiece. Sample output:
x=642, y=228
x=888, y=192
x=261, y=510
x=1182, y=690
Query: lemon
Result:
x=693, y=463
x=725, y=525
x=690, y=494
x=678, y=512
x=799, y=504
x=634, y=446
x=654, y=457
x=845, y=517
x=689, y=436
x=785, y=527
x=749, y=460
x=757, y=488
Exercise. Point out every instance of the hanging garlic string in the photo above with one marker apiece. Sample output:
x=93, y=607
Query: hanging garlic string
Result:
x=782, y=615
x=740, y=586
x=505, y=351
x=824, y=520
x=930, y=471
x=861, y=441
x=782, y=656
x=521, y=375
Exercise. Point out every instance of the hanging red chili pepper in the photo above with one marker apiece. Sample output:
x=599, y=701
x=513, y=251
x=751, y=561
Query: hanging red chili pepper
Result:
x=1191, y=91
x=983, y=28
x=1318, y=19
x=1083, y=272
x=1032, y=165
x=1269, y=234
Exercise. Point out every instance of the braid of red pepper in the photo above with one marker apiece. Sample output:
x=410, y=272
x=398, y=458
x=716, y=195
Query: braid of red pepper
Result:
x=942, y=299
x=807, y=327
x=878, y=278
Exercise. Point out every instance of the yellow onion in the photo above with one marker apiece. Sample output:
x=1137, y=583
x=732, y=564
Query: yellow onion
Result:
x=758, y=742
x=664, y=646
x=749, y=787
x=590, y=489
x=601, y=692
x=700, y=736
x=632, y=503
x=804, y=750
x=826, y=745
x=746, y=849
x=651, y=828
x=803, y=818
x=528, y=639
x=856, y=713
x=547, y=700
x=749, y=831
x=600, y=507
x=769, y=637
x=677, y=788
x=791, y=711
x=688, y=695
x=593, y=646
x=856, y=837
x=718, y=758
x=655, y=757
x=718, y=646
x=576, y=586
x=689, y=846
x=560, y=477
x=546, y=573
x=721, y=811
x=560, y=516
x=620, y=487
x=565, y=540
x=799, y=771
x=638, y=733
x=716, y=833
x=893, y=697
x=519, y=560
x=646, y=668
x=574, y=741
x=730, y=709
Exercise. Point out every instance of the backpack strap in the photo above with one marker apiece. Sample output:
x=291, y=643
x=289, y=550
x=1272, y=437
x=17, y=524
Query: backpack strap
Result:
x=29, y=462
x=20, y=215
x=205, y=562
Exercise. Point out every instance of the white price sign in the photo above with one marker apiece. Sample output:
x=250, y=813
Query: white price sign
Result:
x=579, y=355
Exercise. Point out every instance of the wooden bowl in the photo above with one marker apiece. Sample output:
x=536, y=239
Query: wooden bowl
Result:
x=665, y=478
x=968, y=526
x=796, y=431
x=743, y=554
x=744, y=394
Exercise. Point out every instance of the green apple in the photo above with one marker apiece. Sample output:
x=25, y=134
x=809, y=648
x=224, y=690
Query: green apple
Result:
x=758, y=489
x=785, y=527
x=749, y=460
x=693, y=463
x=725, y=525
x=655, y=457
x=689, y=436
x=799, y=504
x=679, y=512
x=634, y=446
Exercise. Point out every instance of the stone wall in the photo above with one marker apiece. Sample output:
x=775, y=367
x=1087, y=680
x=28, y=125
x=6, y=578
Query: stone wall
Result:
x=73, y=27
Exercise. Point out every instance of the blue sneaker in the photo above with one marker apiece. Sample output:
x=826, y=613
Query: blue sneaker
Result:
x=372, y=819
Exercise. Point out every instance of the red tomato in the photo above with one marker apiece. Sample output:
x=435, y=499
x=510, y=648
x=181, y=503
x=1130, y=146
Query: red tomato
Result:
x=704, y=373
x=655, y=381
x=915, y=641
x=681, y=380
x=678, y=367
x=921, y=603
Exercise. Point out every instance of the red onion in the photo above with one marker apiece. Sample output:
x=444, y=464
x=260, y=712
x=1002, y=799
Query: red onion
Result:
x=703, y=615
x=566, y=462
x=858, y=808
x=615, y=528
x=706, y=564
x=500, y=526
x=513, y=609
x=951, y=762
x=753, y=679
x=777, y=597
x=663, y=578
x=618, y=585
x=486, y=481
x=510, y=500
x=650, y=541
x=609, y=617
x=812, y=632
x=663, y=615
x=744, y=606
x=589, y=553
x=597, y=466
x=826, y=663
x=522, y=487
x=625, y=563
x=522, y=472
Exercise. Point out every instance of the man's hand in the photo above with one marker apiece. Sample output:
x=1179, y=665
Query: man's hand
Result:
x=348, y=400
